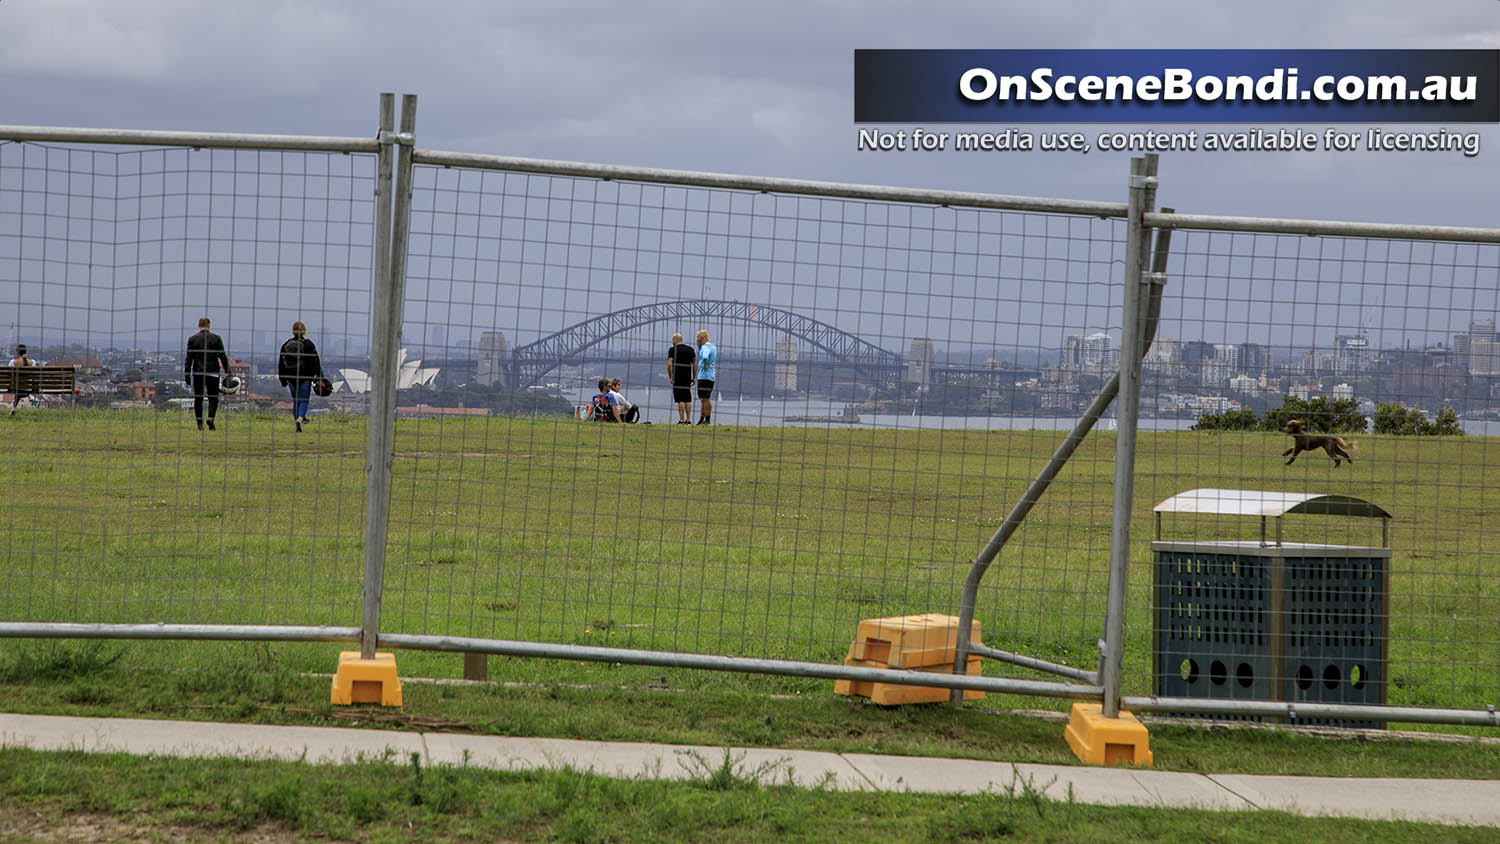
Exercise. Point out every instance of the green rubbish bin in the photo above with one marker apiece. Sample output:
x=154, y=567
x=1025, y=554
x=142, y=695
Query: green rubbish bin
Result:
x=1266, y=619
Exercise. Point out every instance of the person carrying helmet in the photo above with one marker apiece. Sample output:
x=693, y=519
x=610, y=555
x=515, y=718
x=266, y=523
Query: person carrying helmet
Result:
x=205, y=359
x=298, y=366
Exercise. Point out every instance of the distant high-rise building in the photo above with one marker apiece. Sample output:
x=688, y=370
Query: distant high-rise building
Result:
x=1254, y=358
x=784, y=379
x=1476, y=350
x=1164, y=357
x=492, y=354
x=1350, y=353
x=919, y=362
x=1195, y=352
x=1315, y=362
x=1215, y=368
x=1484, y=356
x=1479, y=329
x=1213, y=372
x=1227, y=354
x=1092, y=354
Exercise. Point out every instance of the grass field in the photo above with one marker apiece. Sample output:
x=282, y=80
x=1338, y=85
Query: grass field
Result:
x=83, y=797
x=764, y=542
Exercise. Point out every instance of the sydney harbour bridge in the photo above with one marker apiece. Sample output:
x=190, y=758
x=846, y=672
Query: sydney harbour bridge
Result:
x=529, y=364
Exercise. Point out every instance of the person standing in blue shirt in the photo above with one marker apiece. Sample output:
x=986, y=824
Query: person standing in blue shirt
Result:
x=708, y=360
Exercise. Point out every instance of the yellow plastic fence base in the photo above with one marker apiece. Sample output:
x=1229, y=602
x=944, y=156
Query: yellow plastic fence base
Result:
x=1107, y=741
x=366, y=680
x=923, y=643
x=909, y=641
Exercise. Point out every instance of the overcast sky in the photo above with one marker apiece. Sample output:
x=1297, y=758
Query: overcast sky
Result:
x=759, y=88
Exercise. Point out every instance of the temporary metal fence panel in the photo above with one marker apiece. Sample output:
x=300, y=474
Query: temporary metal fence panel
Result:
x=888, y=381
x=251, y=537
x=119, y=510
x=894, y=369
x=1387, y=341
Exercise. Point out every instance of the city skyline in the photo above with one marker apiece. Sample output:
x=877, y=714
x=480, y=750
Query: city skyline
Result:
x=1487, y=349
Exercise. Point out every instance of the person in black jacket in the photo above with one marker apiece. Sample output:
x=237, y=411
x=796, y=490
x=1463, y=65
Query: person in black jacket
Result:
x=205, y=359
x=298, y=367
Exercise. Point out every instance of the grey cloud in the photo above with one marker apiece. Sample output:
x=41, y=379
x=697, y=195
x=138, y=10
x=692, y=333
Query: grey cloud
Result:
x=757, y=88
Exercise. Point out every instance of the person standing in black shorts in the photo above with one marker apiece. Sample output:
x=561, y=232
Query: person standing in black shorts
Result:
x=205, y=355
x=682, y=371
x=708, y=364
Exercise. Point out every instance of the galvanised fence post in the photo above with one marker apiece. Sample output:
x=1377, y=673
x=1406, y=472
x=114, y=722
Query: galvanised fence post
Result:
x=1142, y=199
x=390, y=256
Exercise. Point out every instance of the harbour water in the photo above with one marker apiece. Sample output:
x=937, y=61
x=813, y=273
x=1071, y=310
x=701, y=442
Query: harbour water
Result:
x=657, y=407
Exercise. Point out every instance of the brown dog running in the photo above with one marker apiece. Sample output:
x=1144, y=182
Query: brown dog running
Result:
x=1335, y=447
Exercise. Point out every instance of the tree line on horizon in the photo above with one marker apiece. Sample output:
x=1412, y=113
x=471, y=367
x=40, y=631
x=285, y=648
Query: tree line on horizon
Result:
x=1335, y=416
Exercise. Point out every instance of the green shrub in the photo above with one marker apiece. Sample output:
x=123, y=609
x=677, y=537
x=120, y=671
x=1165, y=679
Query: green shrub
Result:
x=1400, y=420
x=1319, y=416
x=1242, y=419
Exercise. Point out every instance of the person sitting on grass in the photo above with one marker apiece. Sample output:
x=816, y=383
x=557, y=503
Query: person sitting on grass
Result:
x=603, y=404
x=629, y=413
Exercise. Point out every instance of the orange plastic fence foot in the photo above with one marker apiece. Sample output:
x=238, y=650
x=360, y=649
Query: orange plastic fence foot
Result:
x=366, y=680
x=1107, y=741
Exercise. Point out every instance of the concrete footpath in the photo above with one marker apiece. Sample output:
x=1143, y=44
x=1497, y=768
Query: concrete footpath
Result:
x=1468, y=802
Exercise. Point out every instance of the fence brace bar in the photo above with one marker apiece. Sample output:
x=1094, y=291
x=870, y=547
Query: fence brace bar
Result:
x=1038, y=488
x=747, y=665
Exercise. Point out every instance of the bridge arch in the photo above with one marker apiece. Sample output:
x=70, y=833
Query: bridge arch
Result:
x=530, y=362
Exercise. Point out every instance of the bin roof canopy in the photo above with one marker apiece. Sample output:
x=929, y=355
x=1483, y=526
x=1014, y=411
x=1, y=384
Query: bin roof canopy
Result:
x=1251, y=502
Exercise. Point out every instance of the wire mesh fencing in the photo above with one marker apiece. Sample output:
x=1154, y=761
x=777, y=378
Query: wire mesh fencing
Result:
x=125, y=503
x=887, y=379
x=1384, y=350
x=724, y=416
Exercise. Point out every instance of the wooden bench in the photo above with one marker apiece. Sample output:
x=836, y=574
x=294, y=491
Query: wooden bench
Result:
x=39, y=380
